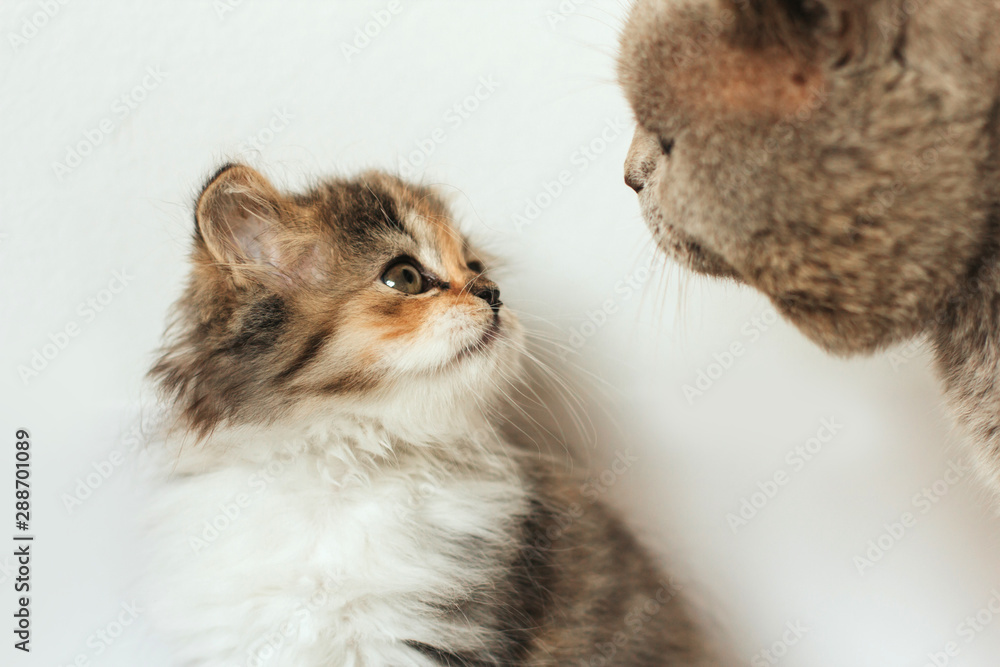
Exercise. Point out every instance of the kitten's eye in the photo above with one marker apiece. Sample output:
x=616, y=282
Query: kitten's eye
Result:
x=667, y=146
x=405, y=277
x=476, y=266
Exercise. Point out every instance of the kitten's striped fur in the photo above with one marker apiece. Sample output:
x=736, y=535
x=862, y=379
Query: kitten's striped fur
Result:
x=338, y=492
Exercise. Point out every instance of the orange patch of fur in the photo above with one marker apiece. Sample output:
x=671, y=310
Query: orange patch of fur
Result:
x=391, y=317
x=730, y=80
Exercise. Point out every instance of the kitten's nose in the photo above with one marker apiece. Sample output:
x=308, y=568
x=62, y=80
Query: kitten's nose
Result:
x=490, y=294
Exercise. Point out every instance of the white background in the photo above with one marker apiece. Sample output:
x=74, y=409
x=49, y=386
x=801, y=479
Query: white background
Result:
x=127, y=206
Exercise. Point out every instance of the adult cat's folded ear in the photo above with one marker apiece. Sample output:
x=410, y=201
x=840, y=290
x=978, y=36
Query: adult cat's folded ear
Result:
x=689, y=63
x=809, y=28
x=246, y=229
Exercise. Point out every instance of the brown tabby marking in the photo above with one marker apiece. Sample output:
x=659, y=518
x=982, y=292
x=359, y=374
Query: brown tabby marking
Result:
x=442, y=539
x=257, y=330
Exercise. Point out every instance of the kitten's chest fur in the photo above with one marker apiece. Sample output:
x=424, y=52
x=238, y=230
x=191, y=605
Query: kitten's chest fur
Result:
x=334, y=546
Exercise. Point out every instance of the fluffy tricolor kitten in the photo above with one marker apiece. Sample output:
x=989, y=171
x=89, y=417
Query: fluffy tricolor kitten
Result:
x=336, y=491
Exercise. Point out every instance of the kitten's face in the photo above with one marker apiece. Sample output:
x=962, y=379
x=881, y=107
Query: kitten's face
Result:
x=835, y=154
x=358, y=292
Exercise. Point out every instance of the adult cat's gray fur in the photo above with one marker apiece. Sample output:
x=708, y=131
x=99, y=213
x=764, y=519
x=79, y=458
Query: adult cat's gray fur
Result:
x=839, y=156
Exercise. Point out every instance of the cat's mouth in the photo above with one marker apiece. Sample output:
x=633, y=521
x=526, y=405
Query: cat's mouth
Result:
x=689, y=253
x=673, y=242
x=490, y=335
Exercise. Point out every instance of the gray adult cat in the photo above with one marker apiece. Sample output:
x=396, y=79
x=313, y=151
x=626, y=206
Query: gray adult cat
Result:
x=839, y=156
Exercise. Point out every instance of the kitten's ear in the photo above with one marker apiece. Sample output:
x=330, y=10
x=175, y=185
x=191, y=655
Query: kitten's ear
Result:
x=239, y=219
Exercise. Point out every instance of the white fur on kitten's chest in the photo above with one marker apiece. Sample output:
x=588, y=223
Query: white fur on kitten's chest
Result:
x=324, y=548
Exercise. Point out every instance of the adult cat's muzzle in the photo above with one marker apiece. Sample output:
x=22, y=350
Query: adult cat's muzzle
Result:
x=644, y=157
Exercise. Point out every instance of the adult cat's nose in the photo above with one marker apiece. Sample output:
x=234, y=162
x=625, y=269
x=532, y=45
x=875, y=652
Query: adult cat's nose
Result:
x=633, y=181
x=641, y=159
x=489, y=293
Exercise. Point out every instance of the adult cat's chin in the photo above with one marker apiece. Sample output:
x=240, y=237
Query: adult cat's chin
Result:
x=837, y=328
x=683, y=248
x=841, y=331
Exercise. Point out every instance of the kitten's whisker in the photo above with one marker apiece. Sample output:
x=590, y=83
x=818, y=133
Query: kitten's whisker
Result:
x=512, y=403
x=567, y=397
x=574, y=406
